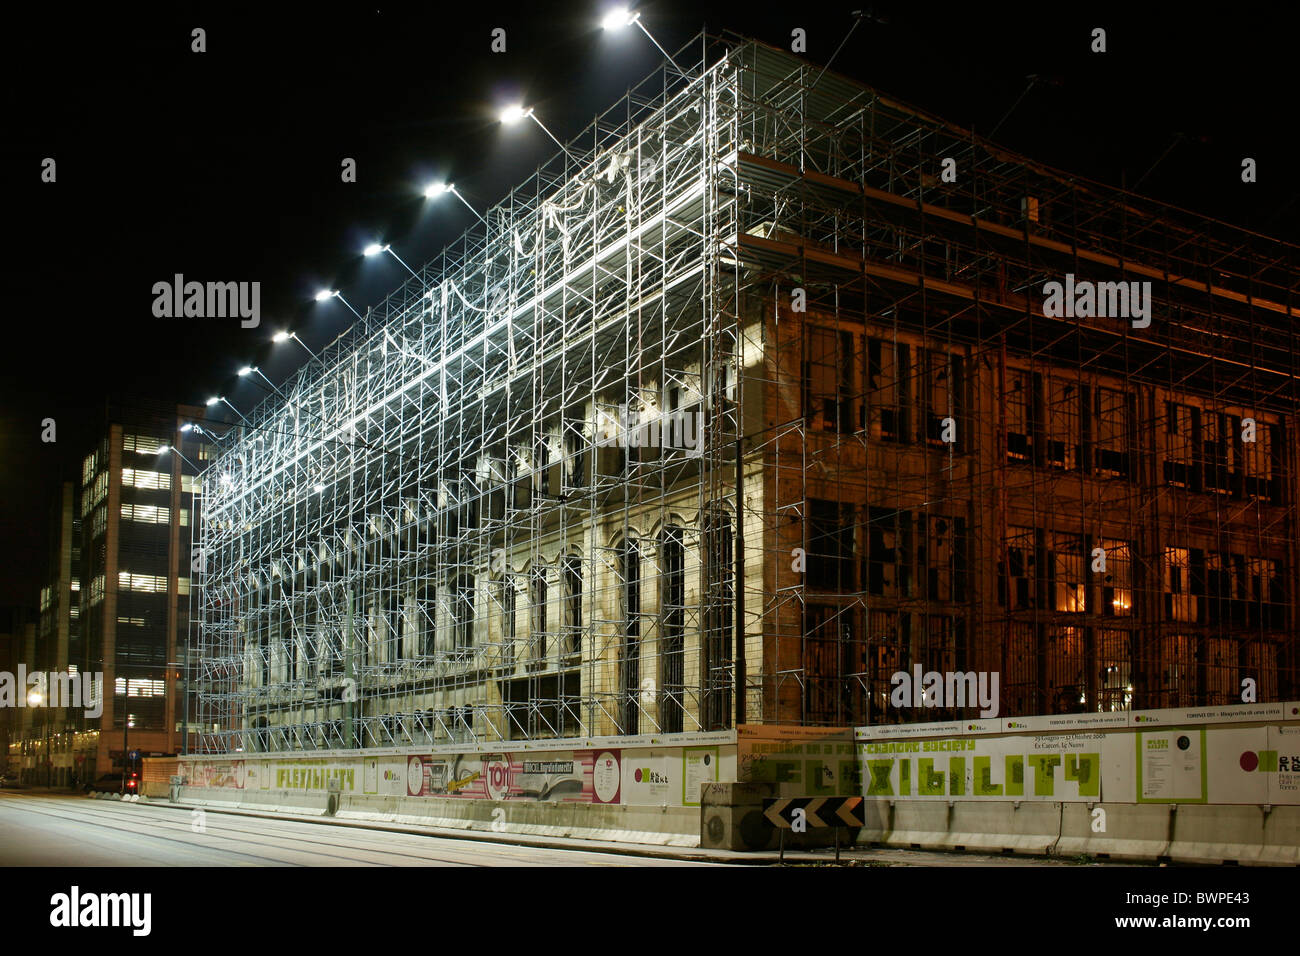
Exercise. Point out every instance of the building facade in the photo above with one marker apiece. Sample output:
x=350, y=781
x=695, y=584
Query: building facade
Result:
x=745, y=405
x=114, y=603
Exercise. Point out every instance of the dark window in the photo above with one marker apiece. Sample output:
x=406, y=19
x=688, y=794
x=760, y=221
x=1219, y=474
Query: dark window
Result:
x=672, y=616
x=889, y=552
x=575, y=445
x=507, y=585
x=573, y=604
x=830, y=546
x=463, y=612
x=630, y=665
x=832, y=651
x=828, y=381
x=718, y=617
x=425, y=612
x=539, y=613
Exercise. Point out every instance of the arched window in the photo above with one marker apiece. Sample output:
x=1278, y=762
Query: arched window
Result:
x=537, y=587
x=629, y=669
x=572, y=575
x=672, y=611
x=463, y=612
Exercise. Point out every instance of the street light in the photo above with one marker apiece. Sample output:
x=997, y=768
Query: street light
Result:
x=35, y=699
x=166, y=448
x=254, y=370
x=620, y=17
x=513, y=114
x=285, y=336
x=218, y=398
x=325, y=294
x=126, y=762
x=192, y=426
x=434, y=190
x=375, y=248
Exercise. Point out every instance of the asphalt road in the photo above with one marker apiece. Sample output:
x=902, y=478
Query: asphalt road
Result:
x=56, y=830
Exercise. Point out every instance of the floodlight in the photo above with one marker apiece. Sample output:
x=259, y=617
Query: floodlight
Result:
x=513, y=114
x=617, y=18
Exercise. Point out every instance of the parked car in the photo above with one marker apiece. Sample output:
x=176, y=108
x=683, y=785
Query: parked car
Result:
x=112, y=783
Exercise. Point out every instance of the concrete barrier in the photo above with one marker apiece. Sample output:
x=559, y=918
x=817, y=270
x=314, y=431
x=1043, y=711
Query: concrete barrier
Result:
x=1182, y=833
x=663, y=826
x=1216, y=834
x=1281, y=836
x=1026, y=826
x=990, y=826
x=1132, y=831
x=731, y=816
x=905, y=823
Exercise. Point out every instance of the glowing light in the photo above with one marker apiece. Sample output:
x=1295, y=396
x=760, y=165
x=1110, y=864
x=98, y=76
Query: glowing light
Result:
x=513, y=114
x=617, y=18
x=434, y=190
x=324, y=294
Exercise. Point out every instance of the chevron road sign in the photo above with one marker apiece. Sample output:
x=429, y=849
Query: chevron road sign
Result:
x=817, y=812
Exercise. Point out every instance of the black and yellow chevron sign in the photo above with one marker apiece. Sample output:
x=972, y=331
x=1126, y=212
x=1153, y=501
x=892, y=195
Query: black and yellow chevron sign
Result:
x=817, y=811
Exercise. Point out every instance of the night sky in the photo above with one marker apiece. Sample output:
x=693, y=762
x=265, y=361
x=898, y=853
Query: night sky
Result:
x=225, y=165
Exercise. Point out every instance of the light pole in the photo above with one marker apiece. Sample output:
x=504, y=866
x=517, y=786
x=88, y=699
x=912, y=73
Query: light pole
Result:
x=375, y=248
x=434, y=190
x=126, y=753
x=620, y=17
x=166, y=448
x=284, y=336
x=218, y=398
x=193, y=426
x=183, y=667
x=35, y=699
x=325, y=294
x=513, y=114
x=254, y=370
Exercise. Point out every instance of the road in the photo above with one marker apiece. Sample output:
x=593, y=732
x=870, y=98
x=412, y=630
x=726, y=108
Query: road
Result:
x=58, y=830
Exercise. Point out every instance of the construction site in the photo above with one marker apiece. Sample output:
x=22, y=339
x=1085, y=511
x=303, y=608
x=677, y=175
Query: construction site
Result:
x=741, y=404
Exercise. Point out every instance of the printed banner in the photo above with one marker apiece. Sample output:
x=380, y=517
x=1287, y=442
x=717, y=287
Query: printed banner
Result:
x=582, y=776
x=1210, y=765
x=802, y=761
x=1057, y=767
x=227, y=774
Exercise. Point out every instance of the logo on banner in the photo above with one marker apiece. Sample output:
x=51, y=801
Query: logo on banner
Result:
x=1269, y=761
x=496, y=775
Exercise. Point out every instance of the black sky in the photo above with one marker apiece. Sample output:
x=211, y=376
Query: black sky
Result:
x=225, y=165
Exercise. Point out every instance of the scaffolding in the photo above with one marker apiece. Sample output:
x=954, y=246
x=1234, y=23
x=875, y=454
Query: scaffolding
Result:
x=743, y=369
